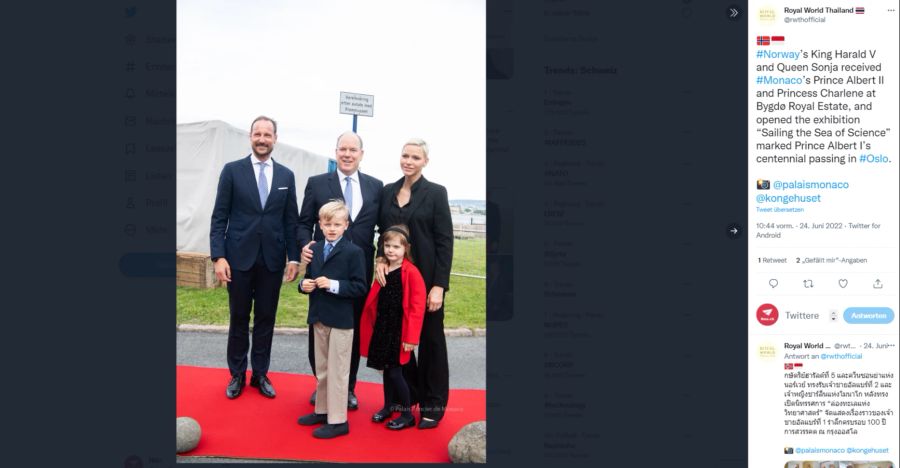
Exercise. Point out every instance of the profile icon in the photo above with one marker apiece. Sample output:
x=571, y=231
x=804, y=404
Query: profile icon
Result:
x=767, y=314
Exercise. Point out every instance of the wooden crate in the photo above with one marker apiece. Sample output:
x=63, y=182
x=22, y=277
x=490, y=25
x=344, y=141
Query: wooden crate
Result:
x=195, y=270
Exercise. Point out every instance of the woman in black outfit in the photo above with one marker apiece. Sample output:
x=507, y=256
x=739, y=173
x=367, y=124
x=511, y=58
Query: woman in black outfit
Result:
x=423, y=207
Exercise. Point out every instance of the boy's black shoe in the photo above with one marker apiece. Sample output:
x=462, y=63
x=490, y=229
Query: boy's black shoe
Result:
x=330, y=431
x=312, y=419
x=352, y=401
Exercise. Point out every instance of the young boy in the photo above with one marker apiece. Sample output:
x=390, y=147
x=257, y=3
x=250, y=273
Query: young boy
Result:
x=334, y=278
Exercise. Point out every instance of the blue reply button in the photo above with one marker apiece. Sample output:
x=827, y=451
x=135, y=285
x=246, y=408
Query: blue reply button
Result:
x=869, y=315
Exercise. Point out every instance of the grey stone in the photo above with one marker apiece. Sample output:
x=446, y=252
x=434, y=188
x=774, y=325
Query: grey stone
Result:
x=187, y=434
x=469, y=445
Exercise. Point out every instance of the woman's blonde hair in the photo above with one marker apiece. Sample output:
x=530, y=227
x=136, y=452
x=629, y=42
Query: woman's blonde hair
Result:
x=420, y=143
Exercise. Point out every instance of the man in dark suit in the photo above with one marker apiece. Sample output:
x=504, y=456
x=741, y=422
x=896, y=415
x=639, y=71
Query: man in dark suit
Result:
x=362, y=195
x=254, y=227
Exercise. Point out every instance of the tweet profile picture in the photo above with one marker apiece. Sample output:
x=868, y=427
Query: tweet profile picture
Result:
x=767, y=314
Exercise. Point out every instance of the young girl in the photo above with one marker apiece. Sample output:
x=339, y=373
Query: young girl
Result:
x=392, y=322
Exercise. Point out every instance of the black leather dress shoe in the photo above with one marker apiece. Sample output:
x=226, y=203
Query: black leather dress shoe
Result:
x=265, y=386
x=330, y=431
x=401, y=423
x=381, y=415
x=236, y=386
x=427, y=424
x=312, y=419
x=312, y=398
x=352, y=402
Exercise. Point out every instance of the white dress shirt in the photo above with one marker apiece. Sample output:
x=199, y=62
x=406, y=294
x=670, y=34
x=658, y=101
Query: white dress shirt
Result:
x=357, y=191
x=335, y=284
x=270, y=170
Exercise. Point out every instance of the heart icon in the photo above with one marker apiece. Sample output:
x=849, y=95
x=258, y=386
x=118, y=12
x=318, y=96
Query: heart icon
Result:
x=773, y=282
x=842, y=283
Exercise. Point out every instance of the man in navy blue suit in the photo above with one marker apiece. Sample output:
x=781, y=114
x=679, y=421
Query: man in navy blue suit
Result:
x=362, y=195
x=254, y=227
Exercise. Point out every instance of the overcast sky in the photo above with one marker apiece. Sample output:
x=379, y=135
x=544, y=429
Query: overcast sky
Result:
x=290, y=59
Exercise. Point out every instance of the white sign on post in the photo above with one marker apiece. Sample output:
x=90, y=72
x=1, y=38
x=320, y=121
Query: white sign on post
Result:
x=357, y=104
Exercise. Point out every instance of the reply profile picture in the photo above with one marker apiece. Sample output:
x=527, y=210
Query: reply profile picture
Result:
x=767, y=314
x=767, y=351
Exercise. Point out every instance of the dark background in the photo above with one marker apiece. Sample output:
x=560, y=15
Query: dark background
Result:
x=616, y=298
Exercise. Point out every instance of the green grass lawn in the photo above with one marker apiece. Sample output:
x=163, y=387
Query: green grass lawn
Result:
x=465, y=303
x=469, y=257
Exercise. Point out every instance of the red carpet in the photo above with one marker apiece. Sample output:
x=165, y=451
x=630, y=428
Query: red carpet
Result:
x=253, y=426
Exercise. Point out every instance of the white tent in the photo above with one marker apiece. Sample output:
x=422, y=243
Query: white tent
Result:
x=203, y=148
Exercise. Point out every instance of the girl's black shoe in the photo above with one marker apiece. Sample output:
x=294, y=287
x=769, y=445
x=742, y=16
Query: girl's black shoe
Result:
x=401, y=423
x=426, y=424
x=382, y=415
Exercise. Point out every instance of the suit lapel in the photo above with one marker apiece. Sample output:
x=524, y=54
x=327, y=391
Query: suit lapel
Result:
x=334, y=184
x=253, y=184
x=368, y=194
x=337, y=248
x=277, y=180
x=318, y=254
x=415, y=200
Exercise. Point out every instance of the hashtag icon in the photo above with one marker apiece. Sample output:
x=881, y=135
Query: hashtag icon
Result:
x=129, y=67
x=862, y=160
x=759, y=54
x=759, y=80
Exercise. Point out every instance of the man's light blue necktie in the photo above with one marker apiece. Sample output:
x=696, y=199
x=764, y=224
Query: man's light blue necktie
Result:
x=263, y=184
x=348, y=196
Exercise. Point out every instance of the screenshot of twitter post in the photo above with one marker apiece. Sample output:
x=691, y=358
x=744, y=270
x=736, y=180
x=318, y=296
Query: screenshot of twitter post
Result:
x=822, y=238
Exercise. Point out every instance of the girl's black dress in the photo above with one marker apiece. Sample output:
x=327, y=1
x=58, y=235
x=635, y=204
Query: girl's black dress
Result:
x=384, y=348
